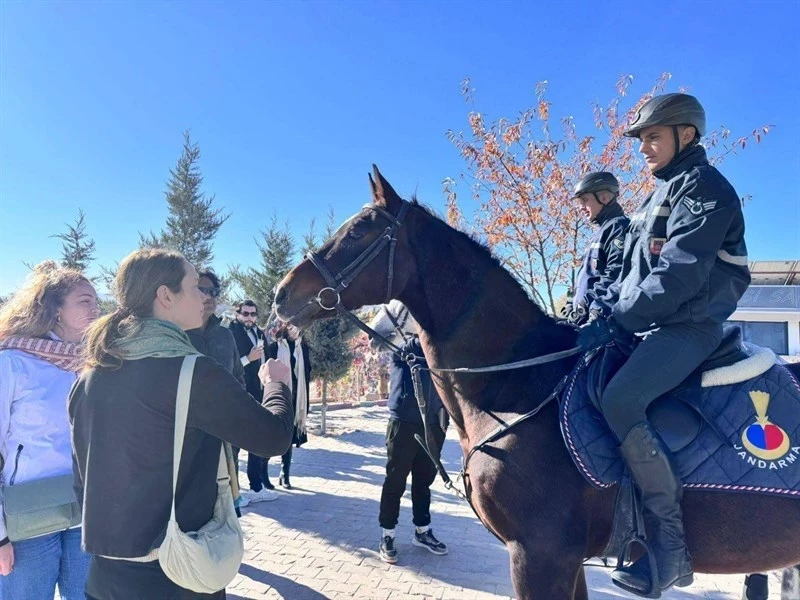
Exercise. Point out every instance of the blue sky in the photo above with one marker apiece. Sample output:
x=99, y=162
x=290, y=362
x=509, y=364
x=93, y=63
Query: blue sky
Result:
x=291, y=103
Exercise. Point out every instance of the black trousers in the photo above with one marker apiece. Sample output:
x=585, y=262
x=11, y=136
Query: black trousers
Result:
x=286, y=463
x=404, y=456
x=658, y=364
x=256, y=469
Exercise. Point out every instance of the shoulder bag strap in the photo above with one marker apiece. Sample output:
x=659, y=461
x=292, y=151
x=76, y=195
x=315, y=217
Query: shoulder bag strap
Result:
x=181, y=417
x=181, y=414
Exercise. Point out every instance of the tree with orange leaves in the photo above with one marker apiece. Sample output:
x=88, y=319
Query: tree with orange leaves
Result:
x=522, y=174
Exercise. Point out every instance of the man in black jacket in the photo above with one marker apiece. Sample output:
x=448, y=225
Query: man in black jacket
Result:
x=215, y=341
x=405, y=455
x=249, y=339
x=597, y=195
x=684, y=269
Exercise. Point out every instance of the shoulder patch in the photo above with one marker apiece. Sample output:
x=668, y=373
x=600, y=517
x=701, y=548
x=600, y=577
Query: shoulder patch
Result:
x=698, y=208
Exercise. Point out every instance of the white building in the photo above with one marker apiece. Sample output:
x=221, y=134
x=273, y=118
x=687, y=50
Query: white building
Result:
x=769, y=311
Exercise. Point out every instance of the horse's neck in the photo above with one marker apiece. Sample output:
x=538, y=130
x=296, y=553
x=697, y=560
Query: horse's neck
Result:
x=472, y=313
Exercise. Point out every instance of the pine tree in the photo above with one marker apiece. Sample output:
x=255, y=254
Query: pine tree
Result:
x=77, y=249
x=277, y=250
x=192, y=223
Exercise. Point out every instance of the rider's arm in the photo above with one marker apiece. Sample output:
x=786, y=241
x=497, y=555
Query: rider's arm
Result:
x=613, y=244
x=696, y=229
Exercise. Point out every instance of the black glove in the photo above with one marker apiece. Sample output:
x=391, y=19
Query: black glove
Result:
x=598, y=332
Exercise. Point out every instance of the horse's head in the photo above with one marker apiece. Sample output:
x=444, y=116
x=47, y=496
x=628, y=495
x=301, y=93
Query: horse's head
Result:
x=367, y=261
x=395, y=323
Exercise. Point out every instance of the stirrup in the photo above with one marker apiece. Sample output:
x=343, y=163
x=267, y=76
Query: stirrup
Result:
x=655, y=590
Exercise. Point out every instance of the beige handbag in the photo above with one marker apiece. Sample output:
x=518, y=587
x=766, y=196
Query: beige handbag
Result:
x=207, y=560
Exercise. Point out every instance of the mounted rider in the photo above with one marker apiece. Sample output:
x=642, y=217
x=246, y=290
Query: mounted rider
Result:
x=597, y=194
x=684, y=269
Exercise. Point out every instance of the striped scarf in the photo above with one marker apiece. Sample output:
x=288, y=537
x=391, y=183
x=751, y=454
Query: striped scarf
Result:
x=64, y=355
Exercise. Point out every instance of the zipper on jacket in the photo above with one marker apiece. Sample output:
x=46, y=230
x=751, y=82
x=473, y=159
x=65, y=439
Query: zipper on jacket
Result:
x=16, y=464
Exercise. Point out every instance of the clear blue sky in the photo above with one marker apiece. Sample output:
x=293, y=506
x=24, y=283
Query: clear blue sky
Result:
x=292, y=102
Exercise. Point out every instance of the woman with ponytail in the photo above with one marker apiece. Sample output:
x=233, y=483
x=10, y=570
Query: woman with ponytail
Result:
x=123, y=417
x=41, y=329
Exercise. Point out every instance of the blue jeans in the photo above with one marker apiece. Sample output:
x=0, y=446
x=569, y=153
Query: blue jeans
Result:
x=44, y=562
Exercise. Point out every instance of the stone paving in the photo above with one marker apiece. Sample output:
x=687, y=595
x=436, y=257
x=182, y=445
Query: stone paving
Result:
x=320, y=540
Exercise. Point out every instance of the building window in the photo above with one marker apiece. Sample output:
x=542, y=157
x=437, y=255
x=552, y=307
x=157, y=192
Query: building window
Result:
x=774, y=336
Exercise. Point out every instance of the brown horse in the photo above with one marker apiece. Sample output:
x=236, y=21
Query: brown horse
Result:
x=473, y=313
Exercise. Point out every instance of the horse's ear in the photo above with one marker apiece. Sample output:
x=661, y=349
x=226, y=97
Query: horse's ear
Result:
x=383, y=193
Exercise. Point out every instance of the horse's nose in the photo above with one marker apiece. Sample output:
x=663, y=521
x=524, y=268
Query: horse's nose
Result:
x=280, y=296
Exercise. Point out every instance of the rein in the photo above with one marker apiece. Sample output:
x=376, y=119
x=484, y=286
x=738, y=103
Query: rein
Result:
x=336, y=284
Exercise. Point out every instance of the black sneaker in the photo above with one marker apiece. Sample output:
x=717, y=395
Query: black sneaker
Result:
x=388, y=551
x=427, y=540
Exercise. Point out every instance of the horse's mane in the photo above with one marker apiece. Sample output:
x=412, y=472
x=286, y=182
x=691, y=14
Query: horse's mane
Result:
x=480, y=248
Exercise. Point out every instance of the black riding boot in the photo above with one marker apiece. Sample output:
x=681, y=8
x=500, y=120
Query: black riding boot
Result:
x=286, y=463
x=647, y=459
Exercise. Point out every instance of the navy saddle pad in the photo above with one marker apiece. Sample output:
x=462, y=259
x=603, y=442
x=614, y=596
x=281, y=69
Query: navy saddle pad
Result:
x=743, y=437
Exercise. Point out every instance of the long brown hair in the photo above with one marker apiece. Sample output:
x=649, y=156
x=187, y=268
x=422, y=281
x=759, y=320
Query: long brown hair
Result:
x=32, y=310
x=140, y=275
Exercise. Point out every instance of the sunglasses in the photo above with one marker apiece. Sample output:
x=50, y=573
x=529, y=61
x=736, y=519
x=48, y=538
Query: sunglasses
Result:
x=211, y=292
x=248, y=314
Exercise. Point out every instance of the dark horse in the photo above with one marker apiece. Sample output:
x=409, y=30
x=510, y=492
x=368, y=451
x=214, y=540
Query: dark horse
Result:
x=524, y=485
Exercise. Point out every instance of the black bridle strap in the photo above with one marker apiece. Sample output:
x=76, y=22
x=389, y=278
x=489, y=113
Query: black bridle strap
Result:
x=398, y=326
x=346, y=276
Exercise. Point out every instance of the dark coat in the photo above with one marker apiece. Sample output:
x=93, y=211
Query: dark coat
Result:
x=215, y=341
x=685, y=257
x=126, y=417
x=272, y=352
x=602, y=262
x=243, y=344
x=402, y=401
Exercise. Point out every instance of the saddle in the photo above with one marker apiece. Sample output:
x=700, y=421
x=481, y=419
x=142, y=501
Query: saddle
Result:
x=732, y=426
x=677, y=421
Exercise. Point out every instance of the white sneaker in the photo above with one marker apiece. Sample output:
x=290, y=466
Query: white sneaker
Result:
x=264, y=495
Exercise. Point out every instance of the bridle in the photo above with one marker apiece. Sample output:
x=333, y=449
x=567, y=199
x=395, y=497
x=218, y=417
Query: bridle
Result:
x=336, y=284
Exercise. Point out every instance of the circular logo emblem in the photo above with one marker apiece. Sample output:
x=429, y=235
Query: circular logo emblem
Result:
x=763, y=439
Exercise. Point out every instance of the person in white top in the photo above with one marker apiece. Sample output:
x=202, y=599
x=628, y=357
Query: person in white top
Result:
x=41, y=327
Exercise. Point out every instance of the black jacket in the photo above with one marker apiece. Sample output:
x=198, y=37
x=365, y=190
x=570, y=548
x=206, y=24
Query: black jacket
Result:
x=602, y=262
x=685, y=256
x=402, y=401
x=244, y=344
x=272, y=352
x=215, y=341
x=123, y=422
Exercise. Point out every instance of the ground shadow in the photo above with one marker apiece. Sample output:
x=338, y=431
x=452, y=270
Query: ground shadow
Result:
x=283, y=585
x=351, y=524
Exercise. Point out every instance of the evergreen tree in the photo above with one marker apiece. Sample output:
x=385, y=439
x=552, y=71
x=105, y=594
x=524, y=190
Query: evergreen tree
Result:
x=77, y=248
x=192, y=223
x=277, y=251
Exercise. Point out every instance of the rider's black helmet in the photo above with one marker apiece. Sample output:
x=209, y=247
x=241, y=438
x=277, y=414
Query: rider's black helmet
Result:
x=597, y=182
x=669, y=109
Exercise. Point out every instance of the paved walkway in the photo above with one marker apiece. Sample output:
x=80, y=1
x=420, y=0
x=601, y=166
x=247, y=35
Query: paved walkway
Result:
x=320, y=540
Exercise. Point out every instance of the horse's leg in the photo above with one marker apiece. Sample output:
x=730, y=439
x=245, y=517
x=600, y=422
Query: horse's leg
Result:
x=542, y=576
x=581, y=591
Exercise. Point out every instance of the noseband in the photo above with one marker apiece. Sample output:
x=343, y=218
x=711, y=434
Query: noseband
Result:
x=346, y=276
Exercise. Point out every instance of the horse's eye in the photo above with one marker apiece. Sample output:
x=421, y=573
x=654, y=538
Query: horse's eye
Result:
x=355, y=234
